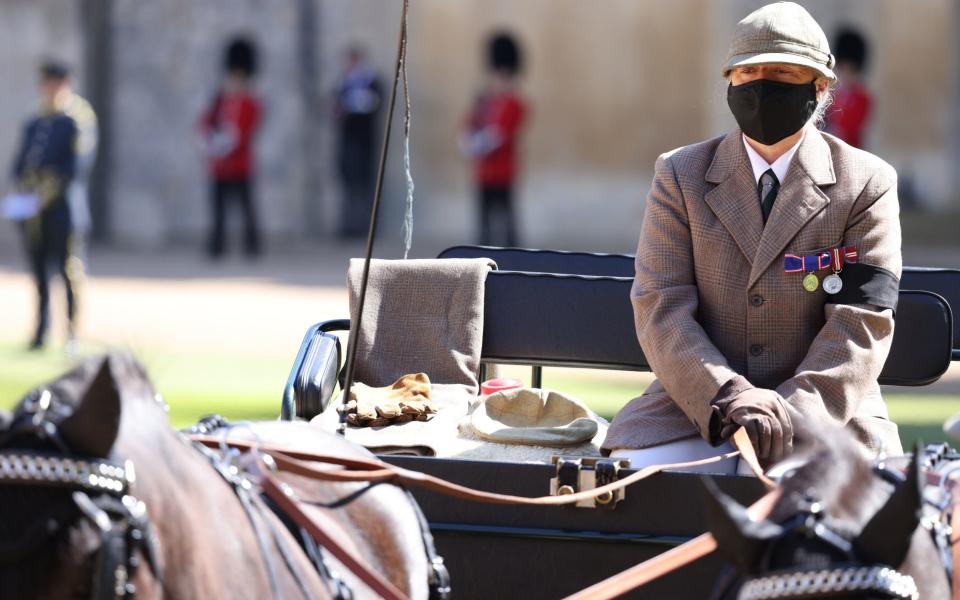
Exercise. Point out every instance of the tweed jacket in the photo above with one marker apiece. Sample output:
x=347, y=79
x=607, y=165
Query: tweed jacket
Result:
x=712, y=300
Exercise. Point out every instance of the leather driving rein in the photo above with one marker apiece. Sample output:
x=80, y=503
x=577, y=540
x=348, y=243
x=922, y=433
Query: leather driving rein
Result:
x=272, y=458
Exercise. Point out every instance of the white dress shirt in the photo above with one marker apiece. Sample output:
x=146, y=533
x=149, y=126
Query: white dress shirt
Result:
x=779, y=166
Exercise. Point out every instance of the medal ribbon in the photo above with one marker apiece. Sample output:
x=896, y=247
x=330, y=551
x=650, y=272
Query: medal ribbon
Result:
x=809, y=263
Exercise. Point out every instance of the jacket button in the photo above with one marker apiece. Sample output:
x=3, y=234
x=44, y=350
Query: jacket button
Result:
x=756, y=300
x=756, y=350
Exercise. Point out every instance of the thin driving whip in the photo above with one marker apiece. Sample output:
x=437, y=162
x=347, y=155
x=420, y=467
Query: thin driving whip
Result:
x=355, y=327
x=408, y=216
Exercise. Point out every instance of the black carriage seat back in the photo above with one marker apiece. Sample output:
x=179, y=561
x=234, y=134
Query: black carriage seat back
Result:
x=548, y=261
x=551, y=319
x=942, y=281
x=548, y=319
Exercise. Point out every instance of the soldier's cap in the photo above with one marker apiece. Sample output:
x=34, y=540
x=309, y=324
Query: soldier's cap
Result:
x=782, y=32
x=54, y=69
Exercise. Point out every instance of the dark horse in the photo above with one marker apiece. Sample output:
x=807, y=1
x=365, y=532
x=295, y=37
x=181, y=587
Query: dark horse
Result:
x=842, y=528
x=77, y=522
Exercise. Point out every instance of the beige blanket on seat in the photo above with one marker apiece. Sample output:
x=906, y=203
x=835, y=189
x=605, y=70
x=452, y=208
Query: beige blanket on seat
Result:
x=420, y=315
x=449, y=434
x=427, y=315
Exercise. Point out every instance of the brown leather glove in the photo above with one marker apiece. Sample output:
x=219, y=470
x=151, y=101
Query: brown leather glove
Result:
x=764, y=415
x=407, y=399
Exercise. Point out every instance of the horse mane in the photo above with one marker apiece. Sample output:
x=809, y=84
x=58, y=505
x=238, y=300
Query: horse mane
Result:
x=834, y=472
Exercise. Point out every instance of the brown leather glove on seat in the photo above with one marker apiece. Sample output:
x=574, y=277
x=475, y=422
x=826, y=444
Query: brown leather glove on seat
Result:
x=764, y=415
x=407, y=399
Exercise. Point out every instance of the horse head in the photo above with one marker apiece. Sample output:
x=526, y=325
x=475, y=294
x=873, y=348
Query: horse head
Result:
x=67, y=499
x=842, y=528
x=101, y=498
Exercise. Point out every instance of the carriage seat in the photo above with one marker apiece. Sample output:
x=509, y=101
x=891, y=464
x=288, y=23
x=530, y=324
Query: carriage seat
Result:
x=542, y=319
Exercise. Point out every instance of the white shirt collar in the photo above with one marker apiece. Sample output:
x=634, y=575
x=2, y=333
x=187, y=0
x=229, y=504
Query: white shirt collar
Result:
x=779, y=166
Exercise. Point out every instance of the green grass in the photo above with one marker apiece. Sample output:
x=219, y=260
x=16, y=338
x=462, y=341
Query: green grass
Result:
x=236, y=386
x=248, y=387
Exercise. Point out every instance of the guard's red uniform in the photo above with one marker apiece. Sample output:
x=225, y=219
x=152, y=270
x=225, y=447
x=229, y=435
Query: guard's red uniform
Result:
x=849, y=113
x=237, y=113
x=505, y=113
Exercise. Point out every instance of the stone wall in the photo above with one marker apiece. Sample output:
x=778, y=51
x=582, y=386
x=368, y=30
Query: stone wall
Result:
x=611, y=85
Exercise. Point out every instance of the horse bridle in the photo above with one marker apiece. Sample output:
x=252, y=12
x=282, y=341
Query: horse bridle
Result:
x=851, y=577
x=101, y=493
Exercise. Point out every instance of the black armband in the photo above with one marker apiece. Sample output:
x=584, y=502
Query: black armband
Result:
x=867, y=284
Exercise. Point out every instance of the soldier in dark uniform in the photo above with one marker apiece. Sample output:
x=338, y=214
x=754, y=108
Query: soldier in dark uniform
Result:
x=43, y=169
x=357, y=105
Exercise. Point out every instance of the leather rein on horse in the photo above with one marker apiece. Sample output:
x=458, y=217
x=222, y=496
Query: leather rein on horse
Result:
x=273, y=458
x=375, y=471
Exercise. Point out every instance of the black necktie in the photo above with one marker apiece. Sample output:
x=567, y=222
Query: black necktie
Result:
x=768, y=187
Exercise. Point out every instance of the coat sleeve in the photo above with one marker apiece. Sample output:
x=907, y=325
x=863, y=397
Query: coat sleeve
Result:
x=19, y=160
x=847, y=355
x=691, y=369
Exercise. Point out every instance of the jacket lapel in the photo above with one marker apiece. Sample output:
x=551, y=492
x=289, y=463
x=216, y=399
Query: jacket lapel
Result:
x=798, y=200
x=734, y=200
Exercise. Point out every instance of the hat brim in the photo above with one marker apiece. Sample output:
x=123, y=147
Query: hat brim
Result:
x=763, y=58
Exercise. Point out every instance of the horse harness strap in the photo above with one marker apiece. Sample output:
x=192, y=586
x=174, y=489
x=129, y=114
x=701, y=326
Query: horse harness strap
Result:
x=812, y=584
x=373, y=470
x=281, y=494
x=100, y=491
x=955, y=542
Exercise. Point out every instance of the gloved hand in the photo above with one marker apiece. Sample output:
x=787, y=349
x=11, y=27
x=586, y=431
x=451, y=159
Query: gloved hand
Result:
x=764, y=415
x=407, y=399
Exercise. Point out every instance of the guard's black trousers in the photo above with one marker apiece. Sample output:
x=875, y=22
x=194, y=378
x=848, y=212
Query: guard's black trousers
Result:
x=497, y=222
x=48, y=240
x=230, y=191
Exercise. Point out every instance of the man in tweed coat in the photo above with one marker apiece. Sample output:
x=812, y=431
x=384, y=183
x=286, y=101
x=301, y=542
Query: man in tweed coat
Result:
x=736, y=333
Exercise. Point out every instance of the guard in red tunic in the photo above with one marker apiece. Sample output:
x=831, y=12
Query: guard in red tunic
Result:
x=489, y=137
x=228, y=129
x=848, y=116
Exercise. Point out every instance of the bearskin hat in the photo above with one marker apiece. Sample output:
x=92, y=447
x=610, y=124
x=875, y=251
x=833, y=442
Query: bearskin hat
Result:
x=850, y=46
x=504, y=53
x=241, y=56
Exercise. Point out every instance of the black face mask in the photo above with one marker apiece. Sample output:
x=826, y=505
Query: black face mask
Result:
x=768, y=111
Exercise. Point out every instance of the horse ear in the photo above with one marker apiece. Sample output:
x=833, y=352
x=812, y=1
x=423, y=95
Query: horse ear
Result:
x=93, y=425
x=739, y=537
x=886, y=537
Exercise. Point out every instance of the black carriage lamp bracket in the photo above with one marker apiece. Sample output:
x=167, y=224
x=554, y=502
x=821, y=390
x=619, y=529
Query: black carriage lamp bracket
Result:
x=583, y=473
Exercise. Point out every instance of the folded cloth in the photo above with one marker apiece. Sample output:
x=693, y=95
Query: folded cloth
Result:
x=448, y=433
x=407, y=399
x=534, y=417
x=420, y=315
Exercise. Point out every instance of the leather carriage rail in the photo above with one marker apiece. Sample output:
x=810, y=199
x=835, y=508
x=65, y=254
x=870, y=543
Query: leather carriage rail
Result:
x=942, y=281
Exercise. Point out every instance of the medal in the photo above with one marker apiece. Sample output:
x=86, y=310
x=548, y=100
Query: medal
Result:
x=812, y=263
x=832, y=283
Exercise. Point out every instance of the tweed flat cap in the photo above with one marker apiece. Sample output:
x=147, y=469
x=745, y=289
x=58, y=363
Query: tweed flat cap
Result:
x=782, y=32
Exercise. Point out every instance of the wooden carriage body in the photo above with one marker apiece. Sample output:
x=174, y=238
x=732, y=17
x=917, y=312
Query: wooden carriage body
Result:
x=549, y=308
